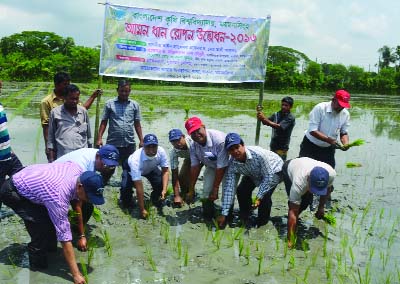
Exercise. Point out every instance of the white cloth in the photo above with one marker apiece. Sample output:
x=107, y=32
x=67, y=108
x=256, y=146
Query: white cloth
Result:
x=140, y=165
x=324, y=119
x=299, y=171
x=85, y=158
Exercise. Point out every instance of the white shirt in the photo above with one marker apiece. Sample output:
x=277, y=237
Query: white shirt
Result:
x=141, y=165
x=299, y=170
x=326, y=120
x=84, y=157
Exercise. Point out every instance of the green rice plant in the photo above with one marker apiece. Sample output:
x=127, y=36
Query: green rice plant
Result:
x=186, y=256
x=306, y=273
x=107, y=243
x=237, y=235
x=72, y=214
x=179, y=247
x=207, y=233
x=365, y=212
x=135, y=229
x=357, y=142
x=151, y=108
x=353, y=220
x=260, y=261
x=371, y=252
x=292, y=262
x=150, y=259
x=351, y=255
x=12, y=261
x=247, y=255
x=96, y=214
x=381, y=213
x=370, y=229
x=84, y=270
x=277, y=242
x=306, y=247
x=366, y=279
x=164, y=231
x=187, y=109
x=328, y=268
x=384, y=258
x=326, y=232
x=330, y=219
x=231, y=239
x=170, y=191
x=353, y=165
x=90, y=255
x=241, y=246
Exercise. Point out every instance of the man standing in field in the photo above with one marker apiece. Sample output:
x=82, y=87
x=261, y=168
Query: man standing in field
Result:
x=180, y=177
x=41, y=195
x=209, y=150
x=69, y=126
x=304, y=177
x=328, y=122
x=282, y=123
x=56, y=98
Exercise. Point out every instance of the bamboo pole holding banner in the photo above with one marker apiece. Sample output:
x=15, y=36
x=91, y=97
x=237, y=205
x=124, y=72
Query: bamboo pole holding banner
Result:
x=260, y=101
x=96, y=122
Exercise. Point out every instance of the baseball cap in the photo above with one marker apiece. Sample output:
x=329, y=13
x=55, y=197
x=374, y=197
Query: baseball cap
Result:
x=343, y=98
x=109, y=154
x=93, y=184
x=174, y=134
x=192, y=124
x=232, y=139
x=319, y=178
x=150, y=139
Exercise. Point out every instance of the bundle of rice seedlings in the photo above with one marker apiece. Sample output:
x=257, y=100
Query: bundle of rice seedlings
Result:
x=330, y=219
x=357, y=142
x=353, y=165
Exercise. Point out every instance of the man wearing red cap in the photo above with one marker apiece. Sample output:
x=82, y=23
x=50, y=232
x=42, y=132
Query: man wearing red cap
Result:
x=209, y=150
x=328, y=121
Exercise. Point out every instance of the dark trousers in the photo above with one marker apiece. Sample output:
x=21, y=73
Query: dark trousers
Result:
x=37, y=222
x=323, y=154
x=155, y=179
x=306, y=199
x=244, y=192
x=125, y=152
x=9, y=167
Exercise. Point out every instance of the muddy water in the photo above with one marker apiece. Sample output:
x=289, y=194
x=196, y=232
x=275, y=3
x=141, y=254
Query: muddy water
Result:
x=177, y=246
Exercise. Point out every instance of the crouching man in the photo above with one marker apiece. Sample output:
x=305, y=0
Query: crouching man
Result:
x=41, y=196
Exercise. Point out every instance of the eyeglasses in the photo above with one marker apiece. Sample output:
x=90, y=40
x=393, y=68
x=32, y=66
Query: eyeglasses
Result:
x=99, y=191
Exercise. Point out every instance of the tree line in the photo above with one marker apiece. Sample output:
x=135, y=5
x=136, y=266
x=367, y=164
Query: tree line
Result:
x=37, y=56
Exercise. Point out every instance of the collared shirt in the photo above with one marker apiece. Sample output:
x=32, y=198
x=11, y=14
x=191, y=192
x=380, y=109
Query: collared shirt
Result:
x=323, y=118
x=121, y=116
x=53, y=186
x=280, y=138
x=140, y=165
x=68, y=132
x=85, y=158
x=299, y=171
x=213, y=154
x=174, y=154
x=46, y=105
x=261, y=165
x=5, y=145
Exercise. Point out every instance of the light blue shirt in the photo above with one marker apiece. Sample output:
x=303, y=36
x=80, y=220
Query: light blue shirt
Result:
x=213, y=154
x=141, y=165
x=179, y=153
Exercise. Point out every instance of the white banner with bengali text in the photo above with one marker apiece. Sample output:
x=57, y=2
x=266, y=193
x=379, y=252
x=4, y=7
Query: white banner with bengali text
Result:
x=172, y=46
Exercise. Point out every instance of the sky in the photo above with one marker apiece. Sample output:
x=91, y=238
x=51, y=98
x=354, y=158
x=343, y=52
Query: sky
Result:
x=330, y=31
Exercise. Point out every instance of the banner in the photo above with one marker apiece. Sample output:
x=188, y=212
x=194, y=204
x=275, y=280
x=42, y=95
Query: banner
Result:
x=172, y=46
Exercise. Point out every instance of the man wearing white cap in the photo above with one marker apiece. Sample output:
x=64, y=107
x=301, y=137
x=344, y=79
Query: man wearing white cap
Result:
x=304, y=177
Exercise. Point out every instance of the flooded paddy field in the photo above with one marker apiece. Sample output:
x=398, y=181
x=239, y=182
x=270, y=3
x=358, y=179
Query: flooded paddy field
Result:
x=177, y=246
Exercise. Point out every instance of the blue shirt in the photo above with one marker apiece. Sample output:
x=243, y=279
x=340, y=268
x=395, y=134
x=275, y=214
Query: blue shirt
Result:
x=141, y=165
x=260, y=165
x=121, y=116
x=5, y=145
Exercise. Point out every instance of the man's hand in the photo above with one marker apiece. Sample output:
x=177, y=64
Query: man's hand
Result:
x=320, y=213
x=221, y=221
x=178, y=200
x=79, y=279
x=144, y=214
x=256, y=203
x=82, y=244
x=213, y=195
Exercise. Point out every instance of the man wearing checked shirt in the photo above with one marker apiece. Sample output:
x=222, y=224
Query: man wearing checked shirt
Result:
x=258, y=167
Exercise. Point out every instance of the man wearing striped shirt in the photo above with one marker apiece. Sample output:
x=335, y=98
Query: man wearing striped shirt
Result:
x=9, y=162
x=41, y=195
x=208, y=150
x=181, y=149
x=258, y=167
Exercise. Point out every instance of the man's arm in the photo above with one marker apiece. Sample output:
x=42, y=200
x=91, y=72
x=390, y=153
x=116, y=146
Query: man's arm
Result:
x=165, y=179
x=219, y=175
x=323, y=137
x=91, y=99
x=69, y=255
x=261, y=117
x=77, y=207
x=138, y=184
x=138, y=129
x=102, y=129
x=293, y=216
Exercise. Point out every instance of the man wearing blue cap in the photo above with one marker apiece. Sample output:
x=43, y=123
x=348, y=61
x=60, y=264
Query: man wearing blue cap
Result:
x=41, y=195
x=181, y=149
x=258, y=167
x=151, y=162
x=304, y=177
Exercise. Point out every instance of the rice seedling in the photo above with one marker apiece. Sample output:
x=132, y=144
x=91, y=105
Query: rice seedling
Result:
x=260, y=261
x=241, y=246
x=179, y=247
x=353, y=165
x=186, y=256
x=237, y=234
x=366, y=279
x=84, y=270
x=150, y=259
x=384, y=258
x=365, y=212
x=277, y=242
x=107, y=243
x=326, y=232
x=306, y=247
x=247, y=255
x=292, y=262
x=371, y=252
x=164, y=231
x=96, y=214
x=351, y=255
x=357, y=142
x=328, y=268
x=381, y=213
x=187, y=109
x=330, y=219
x=135, y=229
x=353, y=220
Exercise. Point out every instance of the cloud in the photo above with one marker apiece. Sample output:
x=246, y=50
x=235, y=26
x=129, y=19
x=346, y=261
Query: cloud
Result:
x=373, y=26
